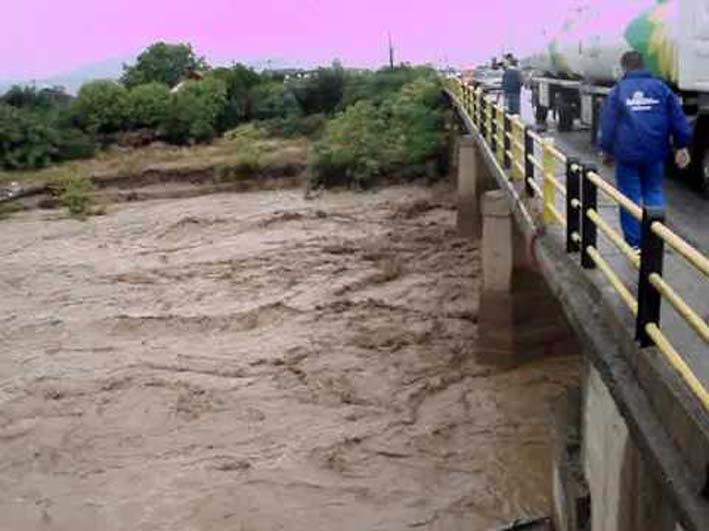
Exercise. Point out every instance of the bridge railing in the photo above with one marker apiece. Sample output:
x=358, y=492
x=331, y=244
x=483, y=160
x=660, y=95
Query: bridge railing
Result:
x=515, y=147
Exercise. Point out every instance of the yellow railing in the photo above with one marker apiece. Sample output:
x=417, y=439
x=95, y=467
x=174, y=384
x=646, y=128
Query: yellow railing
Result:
x=511, y=142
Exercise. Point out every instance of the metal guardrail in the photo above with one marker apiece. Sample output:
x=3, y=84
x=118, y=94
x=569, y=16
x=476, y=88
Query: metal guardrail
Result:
x=515, y=146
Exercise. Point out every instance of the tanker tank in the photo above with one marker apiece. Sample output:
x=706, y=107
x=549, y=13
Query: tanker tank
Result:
x=591, y=41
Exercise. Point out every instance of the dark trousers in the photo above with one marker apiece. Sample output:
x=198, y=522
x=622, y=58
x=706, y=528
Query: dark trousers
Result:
x=512, y=102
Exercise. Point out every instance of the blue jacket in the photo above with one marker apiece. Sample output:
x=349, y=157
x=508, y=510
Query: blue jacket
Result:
x=512, y=81
x=639, y=117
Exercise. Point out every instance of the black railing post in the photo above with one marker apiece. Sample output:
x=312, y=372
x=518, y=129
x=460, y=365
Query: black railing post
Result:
x=528, y=166
x=651, y=262
x=493, y=128
x=507, y=143
x=573, y=210
x=482, y=118
x=589, y=232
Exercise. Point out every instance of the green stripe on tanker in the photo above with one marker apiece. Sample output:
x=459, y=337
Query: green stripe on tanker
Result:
x=592, y=40
x=649, y=34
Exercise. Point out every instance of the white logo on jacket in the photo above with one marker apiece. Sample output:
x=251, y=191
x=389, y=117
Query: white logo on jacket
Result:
x=640, y=102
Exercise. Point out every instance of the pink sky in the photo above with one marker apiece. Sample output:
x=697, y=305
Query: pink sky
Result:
x=39, y=38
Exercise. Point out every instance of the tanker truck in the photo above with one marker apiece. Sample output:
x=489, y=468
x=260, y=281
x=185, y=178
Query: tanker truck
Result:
x=582, y=63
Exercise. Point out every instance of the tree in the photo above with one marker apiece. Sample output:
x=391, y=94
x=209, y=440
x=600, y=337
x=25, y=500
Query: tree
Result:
x=273, y=100
x=32, y=98
x=101, y=107
x=355, y=148
x=239, y=81
x=323, y=91
x=148, y=105
x=378, y=86
x=26, y=140
x=194, y=110
x=417, y=121
x=402, y=136
x=163, y=63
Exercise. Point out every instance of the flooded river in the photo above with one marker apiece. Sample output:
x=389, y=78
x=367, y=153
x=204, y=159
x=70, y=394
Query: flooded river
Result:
x=256, y=362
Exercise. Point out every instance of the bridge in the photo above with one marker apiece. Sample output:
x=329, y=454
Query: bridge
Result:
x=632, y=446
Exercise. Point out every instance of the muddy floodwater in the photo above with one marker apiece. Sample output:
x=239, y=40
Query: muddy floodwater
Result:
x=258, y=362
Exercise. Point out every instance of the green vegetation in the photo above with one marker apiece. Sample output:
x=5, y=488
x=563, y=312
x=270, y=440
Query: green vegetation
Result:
x=365, y=125
x=194, y=110
x=102, y=107
x=148, y=106
x=163, y=63
x=401, y=135
x=74, y=193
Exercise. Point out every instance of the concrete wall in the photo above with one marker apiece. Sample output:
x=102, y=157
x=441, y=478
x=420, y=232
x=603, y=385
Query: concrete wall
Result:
x=605, y=485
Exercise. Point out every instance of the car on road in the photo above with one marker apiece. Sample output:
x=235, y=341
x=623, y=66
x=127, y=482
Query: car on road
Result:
x=488, y=78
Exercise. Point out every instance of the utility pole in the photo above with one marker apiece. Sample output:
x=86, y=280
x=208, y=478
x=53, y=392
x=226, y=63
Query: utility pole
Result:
x=391, y=53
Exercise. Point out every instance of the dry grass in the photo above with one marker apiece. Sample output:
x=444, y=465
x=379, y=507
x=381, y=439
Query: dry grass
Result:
x=246, y=146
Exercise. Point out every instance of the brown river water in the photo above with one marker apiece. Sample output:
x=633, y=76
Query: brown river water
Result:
x=255, y=362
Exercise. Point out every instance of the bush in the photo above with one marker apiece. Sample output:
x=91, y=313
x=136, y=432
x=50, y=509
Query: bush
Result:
x=33, y=98
x=323, y=91
x=101, y=107
x=74, y=144
x=417, y=122
x=148, y=105
x=272, y=100
x=354, y=148
x=310, y=126
x=398, y=138
x=379, y=86
x=194, y=110
x=26, y=139
x=239, y=81
x=74, y=192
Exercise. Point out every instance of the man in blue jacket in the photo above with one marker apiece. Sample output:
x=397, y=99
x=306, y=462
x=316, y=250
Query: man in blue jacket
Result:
x=512, y=84
x=641, y=119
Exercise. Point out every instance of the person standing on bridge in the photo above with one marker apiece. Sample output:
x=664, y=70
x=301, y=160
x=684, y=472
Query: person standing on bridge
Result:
x=641, y=119
x=512, y=85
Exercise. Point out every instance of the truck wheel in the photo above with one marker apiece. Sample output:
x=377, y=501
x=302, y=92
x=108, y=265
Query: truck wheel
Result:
x=566, y=118
x=703, y=172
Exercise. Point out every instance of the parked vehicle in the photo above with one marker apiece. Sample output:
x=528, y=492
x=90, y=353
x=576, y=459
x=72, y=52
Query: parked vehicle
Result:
x=488, y=78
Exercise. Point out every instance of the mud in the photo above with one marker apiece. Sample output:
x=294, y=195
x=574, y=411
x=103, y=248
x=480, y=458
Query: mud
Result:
x=260, y=362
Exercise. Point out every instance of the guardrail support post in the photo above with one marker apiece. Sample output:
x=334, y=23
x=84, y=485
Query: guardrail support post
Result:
x=573, y=198
x=482, y=118
x=471, y=104
x=589, y=233
x=493, y=127
x=507, y=143
x=528, y=166
x=651, y=262
x=480, y=111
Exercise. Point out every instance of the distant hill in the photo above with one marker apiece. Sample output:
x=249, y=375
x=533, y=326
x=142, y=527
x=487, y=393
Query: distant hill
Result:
x=72, y=81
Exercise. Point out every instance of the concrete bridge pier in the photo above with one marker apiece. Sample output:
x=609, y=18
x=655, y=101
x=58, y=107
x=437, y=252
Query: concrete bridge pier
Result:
x=519, y=318
x=474, y=179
